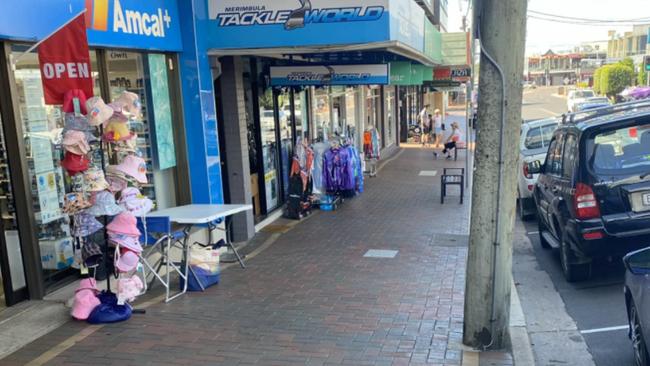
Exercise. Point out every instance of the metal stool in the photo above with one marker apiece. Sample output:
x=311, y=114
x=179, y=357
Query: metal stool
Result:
x=452, y=179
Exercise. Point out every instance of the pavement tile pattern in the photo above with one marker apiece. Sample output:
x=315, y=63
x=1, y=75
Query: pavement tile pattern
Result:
x=312, y=298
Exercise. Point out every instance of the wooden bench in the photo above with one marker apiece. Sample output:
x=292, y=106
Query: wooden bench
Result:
x=452, y=179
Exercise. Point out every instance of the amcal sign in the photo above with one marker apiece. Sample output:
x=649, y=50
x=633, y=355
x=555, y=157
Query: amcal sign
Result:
x=151, y=24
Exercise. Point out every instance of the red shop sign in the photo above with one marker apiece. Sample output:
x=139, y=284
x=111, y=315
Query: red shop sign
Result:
x=442, y=73
x=65, y=62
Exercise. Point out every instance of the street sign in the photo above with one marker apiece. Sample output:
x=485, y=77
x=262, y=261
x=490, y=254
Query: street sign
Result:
x=461, y=73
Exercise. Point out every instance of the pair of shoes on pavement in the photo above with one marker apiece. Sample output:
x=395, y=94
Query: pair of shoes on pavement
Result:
x=435, y=155
x=448, y=157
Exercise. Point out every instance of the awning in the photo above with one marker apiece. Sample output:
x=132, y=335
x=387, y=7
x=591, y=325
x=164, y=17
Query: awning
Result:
x=321, y=53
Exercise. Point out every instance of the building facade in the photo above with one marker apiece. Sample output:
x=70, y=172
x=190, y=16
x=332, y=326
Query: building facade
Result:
x=236, y=86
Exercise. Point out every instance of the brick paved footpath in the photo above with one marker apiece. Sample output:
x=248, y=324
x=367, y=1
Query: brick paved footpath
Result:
x=311, y=298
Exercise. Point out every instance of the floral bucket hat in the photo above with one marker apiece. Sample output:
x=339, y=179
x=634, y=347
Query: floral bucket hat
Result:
x=91, y=254
x=130, y=104
x=133, y=201
x=75, y=142
x=75, y=203
x=94, y=180
x=75, y=164
x=135, y=167
x=129, y=288
x=124, y=223
x=98, y=111
x=77, y=123
x=85, y=225
x=104, y=205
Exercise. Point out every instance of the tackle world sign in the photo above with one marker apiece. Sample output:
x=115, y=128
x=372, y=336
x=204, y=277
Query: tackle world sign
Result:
x=293, y=14
x=377, y=74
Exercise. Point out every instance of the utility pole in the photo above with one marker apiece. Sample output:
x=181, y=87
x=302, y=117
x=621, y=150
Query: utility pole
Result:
x=502, y=31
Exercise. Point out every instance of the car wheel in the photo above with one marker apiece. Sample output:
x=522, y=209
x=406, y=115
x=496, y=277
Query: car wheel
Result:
x=541, y=228
x=572, y=272
x=638, y=343
x=521, y=206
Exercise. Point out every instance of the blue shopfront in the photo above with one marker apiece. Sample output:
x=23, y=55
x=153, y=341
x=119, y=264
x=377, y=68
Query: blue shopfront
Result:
x=146, y=47
x=290, y=69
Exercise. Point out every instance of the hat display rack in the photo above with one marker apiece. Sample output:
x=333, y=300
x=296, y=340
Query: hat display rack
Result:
x=105, y=175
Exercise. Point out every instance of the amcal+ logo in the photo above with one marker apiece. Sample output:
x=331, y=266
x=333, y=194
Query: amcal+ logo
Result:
x=126, y=20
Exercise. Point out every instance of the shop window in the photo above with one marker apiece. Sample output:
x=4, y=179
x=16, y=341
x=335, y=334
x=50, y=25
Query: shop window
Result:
x=42, y=126
x=373, y=108
x=126, y=73
x=301, y=107
x=389, y=122
x=286, y=136
x=321, y=113
x=269, y=149
x=351, y=114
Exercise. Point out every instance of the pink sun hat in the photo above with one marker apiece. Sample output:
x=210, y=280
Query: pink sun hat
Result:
x=126, y=261
x=130, y=103
x=75, y=142
x=135, y=167
x=124, y=223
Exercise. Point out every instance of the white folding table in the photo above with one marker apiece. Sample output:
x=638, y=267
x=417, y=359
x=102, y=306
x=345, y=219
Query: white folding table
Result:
x=201, y=214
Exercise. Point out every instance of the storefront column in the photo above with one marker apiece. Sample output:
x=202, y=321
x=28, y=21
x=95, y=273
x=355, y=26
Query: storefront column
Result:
x=199, y=107
x=236, y=142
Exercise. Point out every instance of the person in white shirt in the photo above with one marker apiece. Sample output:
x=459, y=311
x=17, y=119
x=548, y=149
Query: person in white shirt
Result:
x=437, y=128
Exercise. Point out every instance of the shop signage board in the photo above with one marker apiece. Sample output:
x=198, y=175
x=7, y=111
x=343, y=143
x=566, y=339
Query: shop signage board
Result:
x=65, y=62
x=330, y=75
x=151, y=24
x=400, y=73
x=291, y=23
x=460, y=73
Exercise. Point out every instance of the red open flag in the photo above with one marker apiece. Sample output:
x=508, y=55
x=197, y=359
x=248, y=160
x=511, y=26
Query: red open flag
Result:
x=65, y=62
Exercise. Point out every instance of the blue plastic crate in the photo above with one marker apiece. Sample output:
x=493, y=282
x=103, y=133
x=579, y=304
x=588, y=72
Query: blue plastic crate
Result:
x=207, y=279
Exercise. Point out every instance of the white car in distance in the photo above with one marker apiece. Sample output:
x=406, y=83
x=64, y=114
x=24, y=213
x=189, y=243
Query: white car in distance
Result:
x=578, y=96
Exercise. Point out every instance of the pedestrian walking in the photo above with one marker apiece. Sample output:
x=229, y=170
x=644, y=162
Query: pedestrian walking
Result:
x=426, y=130
x=437, y=127
x=452, y=140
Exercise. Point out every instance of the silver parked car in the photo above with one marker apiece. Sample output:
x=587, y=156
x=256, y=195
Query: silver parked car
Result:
x=535, y=138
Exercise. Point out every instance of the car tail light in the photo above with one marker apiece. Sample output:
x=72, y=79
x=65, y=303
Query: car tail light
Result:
x=585, y=202
x=593, y=235
x=526, y=173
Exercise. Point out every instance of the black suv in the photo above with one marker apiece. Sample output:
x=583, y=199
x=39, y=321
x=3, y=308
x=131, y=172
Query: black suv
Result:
x=593, y=191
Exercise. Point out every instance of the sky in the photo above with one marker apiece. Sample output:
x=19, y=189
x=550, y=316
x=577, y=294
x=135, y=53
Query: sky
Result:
x=542, y=35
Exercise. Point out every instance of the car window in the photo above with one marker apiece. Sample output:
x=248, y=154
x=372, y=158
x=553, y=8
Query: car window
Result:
x=555, y=157
x=548, y=163
x=569, y=156
x=620, y=153
x=539, y=137
x=584, y=94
